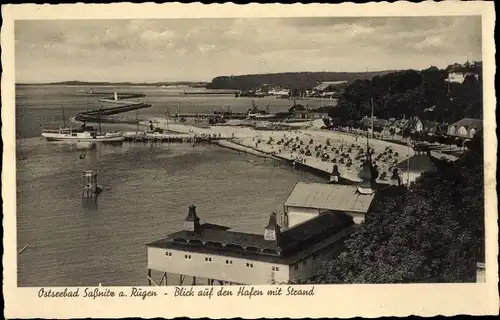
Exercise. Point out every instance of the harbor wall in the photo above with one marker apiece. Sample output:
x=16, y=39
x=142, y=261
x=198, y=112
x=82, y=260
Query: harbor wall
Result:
x=242, y=148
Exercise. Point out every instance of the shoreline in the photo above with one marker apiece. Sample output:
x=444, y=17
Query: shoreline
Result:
x=270, y=143
x=341, y=149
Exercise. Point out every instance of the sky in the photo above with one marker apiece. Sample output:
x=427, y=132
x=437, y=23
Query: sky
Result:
x=201, y=49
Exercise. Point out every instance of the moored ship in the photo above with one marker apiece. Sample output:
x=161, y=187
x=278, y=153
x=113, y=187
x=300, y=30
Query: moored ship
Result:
x=81, y=135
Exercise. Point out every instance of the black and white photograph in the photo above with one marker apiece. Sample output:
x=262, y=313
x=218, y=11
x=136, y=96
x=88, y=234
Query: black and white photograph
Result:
x=249, y=151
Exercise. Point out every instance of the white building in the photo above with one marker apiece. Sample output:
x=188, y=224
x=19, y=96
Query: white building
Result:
x=459, y=77
x=218, y=254
x=309, y=200
x=330, y=88
x=279, y=92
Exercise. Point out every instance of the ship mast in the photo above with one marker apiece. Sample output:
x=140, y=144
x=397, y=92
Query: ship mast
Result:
x=371, y=100
x=137, y=121
x=408, y=163
x=64, y=117
x=99, y=120
x=167, y=115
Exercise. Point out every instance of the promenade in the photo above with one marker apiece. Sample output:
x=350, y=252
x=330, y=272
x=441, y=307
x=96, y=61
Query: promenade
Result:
x=315, y=148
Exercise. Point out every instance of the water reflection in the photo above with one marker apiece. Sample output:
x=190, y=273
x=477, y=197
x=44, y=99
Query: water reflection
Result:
x=90, y=205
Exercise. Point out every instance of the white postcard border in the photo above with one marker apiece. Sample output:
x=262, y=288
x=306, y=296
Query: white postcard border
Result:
x=329, y=300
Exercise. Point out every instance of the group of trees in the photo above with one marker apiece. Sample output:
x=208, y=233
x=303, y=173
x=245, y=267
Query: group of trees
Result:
x=432, y=232
x=292, y=80
x=425, y=94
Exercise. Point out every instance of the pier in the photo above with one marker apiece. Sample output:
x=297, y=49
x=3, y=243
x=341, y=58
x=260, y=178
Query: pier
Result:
x=171, y=137
x=215, y=114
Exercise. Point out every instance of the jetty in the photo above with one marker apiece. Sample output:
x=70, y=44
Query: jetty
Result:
x=135, y=136
x=215, y=114
x=96, y=115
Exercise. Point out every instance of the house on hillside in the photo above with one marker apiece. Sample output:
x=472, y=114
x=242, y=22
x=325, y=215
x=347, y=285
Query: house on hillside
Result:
x=378, y=123
x=459, y=77
x=329, y=88
x=414, y=125
x=465, y=128
x=431, y=127
x=398, y=125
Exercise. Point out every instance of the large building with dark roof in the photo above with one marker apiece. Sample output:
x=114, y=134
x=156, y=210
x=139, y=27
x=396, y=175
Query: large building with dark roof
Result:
x=292, y=246
x=205, y=251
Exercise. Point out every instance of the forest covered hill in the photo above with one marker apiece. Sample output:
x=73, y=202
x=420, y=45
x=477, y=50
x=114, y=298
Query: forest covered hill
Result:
x=292, y=80
x=426, y=94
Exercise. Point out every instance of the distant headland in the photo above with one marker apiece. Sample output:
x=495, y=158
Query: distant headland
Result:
x=105, y=83
x=287, y=79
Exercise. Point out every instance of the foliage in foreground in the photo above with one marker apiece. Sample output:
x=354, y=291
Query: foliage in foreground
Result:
x=433, y=232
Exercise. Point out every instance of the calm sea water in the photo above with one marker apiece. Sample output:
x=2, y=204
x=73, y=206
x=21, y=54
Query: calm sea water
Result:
x=42, y=105
x=147, y=190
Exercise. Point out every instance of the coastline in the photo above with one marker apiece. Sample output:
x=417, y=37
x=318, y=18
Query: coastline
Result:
x=243, y=139
x=267, y=143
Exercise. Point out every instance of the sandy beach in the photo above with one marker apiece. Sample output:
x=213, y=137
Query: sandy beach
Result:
x=326, y=148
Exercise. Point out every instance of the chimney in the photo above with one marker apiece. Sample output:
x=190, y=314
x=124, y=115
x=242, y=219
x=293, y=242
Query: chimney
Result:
x=395, y=178
x=116, y=96
x=335, y=176
x=192, y=222
x=272, y=231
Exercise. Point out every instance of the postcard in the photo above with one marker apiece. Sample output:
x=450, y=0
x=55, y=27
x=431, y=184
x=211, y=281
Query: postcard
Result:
x=221, y=161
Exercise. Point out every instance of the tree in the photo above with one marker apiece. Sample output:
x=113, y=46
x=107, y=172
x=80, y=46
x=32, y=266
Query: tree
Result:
x=392, y=132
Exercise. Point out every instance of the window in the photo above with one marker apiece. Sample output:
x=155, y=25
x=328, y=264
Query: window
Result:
x=249, y=265
x=187, y=256
x=168, y=254
x=208, y=259
x=276, y=268
x=304, y=262
x=229, y=261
